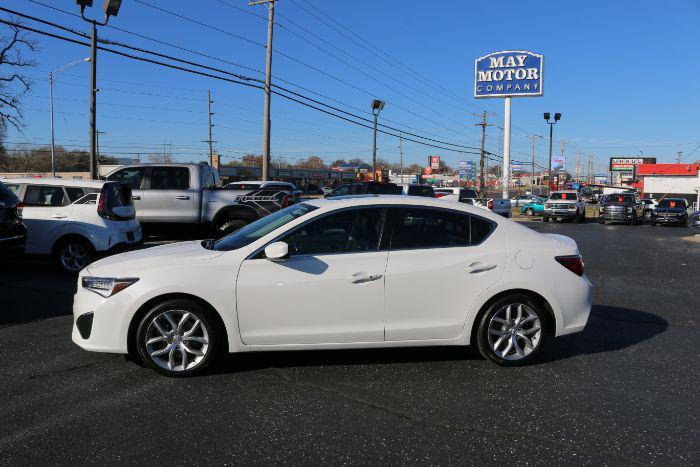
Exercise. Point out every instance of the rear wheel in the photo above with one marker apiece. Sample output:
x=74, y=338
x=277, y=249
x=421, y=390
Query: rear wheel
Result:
x=512, y=331
x=227, y=226
x=73, y=254
x=178, y=338
x=530, y=212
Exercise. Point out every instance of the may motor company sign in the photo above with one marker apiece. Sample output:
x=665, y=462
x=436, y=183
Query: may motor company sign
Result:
x=509, y=73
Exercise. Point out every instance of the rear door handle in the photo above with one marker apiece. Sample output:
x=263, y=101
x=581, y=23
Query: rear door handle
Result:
x=362, y=277
x=136, y=197
x=479, y=267
x=60, y=216
x=183, y=197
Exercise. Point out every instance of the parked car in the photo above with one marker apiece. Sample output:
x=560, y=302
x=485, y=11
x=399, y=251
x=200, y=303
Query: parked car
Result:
x=455, y=194
x=622, y=207
x=366, y=188
x=353, y=271
x=670, y=211
x=649, y=205
x=500, y=206
x=521, y=200
x=534, y=207
x=417, y=189
x=76, y=221
x=13, y=233
x=177, y=196
x=564, y=205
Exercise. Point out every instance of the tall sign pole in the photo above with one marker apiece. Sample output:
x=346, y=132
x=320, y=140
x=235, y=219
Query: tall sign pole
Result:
x=508, y=74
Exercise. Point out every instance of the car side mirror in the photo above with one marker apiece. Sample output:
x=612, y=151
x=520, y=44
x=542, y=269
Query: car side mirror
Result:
x=277, y=251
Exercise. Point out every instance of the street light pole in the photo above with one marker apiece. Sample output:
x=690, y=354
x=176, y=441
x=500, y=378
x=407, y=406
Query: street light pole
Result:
x=111, y=8
x=557, y=117
x=377, y=107
x=51, y=77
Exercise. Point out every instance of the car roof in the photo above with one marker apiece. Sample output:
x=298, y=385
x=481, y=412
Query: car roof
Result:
x=338, y=202
x=56, y=181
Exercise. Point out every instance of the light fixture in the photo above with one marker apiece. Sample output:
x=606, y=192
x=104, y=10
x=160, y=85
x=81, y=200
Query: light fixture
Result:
x=377, y=105
x=546, y=116
x=557, y=116
x=111, y=7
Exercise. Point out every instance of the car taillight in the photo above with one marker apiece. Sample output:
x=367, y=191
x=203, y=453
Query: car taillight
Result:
x=287, y=201
x=101, y=206
x=572, y=263
x=19, y=207
x=489, y=204
x=440, y=195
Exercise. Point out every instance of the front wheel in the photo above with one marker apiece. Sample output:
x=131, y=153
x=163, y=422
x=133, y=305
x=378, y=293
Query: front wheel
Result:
x=513, y=331
x=178, y=338
x=73, y=254
x=545, y=218
x=530, y=212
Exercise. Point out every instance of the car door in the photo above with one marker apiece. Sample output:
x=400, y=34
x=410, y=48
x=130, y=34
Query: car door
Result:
x=45, y=211
x=329, y=290
x=169, y=196
x=135, y=177
x=440, y=261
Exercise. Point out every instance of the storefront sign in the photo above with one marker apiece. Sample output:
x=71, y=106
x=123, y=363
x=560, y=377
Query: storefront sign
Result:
x=626, y=164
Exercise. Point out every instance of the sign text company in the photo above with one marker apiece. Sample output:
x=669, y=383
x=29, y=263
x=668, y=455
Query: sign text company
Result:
x=509, y=73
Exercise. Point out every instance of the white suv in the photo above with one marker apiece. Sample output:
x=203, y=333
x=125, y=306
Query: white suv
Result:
x=76, y=221
x=564, y=205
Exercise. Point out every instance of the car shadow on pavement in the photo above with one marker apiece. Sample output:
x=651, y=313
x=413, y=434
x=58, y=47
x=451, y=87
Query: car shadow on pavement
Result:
x=609, y=329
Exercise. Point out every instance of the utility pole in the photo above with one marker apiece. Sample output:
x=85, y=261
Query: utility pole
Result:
x=210, y=140
x=401, y=154
x=268, y=76
x=680, y=156
x=590, y=165
x=578, y=166
x=532, y=175
x=97, y=159
x=93, y=102
x=562, y=145
x=483, y=125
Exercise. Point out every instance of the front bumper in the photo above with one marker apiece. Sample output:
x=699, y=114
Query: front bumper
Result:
x=560, y=212
x=678, y=220
x=617, y=216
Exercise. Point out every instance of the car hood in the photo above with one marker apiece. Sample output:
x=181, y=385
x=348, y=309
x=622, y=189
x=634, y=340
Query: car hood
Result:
x=164, y=256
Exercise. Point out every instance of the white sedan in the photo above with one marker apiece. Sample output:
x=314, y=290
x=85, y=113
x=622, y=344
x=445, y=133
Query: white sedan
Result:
x=351, y=272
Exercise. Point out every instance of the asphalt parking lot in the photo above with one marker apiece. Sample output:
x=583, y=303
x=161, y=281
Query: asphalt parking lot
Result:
x=624, y=391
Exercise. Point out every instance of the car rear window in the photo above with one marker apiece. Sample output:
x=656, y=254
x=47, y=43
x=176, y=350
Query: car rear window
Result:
x=621, y=199
x=418, y=190
x=5, y=192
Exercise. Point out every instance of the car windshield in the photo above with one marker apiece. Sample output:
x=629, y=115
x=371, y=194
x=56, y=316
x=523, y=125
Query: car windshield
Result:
x=5, y=192
x=620, y=199
x=567, y=196
x=671, y=203
x=261, y=227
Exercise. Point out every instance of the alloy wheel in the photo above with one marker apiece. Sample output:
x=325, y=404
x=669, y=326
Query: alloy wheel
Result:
x=74, y=256
x=514, y=331
x=177, y=340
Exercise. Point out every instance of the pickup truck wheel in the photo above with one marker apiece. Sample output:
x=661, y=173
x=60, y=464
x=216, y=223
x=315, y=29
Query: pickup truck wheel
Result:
x=634, y=219
x=545, y=218
x=227, y=226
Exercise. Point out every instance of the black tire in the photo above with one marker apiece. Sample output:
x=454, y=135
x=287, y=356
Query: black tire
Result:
x=212, y=333
x=482, y=334
x=634, y=219
x=62, y=252
x=545, y=218
x=583, y=215
x=228, y=226
x=530, y=212
x=601, y=221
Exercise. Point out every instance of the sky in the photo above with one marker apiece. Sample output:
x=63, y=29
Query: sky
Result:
x=624, y=74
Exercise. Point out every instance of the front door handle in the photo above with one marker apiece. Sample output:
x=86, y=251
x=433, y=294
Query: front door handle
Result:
x=136, y=197
x=183, y=197
x=60, y=216
x=362, y=277
x=479, y=267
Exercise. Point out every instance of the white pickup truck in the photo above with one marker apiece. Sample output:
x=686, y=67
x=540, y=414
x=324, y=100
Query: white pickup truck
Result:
x=170, y=196
x=564, y=205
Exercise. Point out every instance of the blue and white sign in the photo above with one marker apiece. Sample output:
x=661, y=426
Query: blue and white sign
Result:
x=510, y=73
x=466, y=170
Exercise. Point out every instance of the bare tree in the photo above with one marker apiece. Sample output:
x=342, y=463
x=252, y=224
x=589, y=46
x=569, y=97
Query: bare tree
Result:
x=13, y=83
x=161, y=158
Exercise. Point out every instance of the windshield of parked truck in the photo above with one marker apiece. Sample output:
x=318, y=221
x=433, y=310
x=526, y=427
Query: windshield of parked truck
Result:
x=672, y=203
x=563, y=195
x=261, y=227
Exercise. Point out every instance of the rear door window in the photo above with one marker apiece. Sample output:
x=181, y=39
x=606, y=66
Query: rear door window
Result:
x=42, y=195
x=131, y=175
x=170, y=178
x=74, y=193
x=437, y=228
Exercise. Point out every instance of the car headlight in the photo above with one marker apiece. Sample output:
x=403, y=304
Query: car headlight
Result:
x=548, y=206
x=107, y=286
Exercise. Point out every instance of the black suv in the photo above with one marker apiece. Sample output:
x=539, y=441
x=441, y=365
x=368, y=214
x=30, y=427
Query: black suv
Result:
x=670, y=211
x=621, y=207
x=13, y=233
